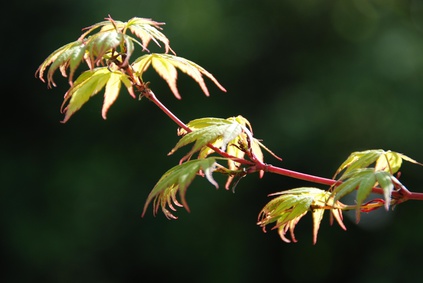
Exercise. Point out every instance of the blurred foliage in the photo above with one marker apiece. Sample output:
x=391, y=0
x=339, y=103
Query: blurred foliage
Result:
x=316, y=79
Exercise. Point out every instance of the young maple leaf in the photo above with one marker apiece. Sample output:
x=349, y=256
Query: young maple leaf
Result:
x=99, y=47
x=176, y=180
x=145, y=29
x=291, y=205
x=218, y=132
x=389, y=161
x=90, y=83
x=233, y=135
x=357, y=175
x=166, y=66
x=69, y=55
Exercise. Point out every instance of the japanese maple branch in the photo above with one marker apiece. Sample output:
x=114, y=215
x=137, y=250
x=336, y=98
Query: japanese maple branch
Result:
x=256, y=165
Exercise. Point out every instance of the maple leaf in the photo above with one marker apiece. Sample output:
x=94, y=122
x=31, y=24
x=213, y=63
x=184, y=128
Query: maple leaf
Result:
x=385, y=160
x=69, y=55
x=102, y=43
x=359, y=176
x=90, y=83
x=217, y=132
x=233, y=135
x=166, y=66
x=145, y=29
x=99, y=47
x=287, y=209
x=177, y=179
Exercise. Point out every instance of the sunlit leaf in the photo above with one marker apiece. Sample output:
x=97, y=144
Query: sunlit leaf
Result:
x=350, y=182
x=90, y=83
x=317, y=215
x=86, y=85
x=103, y=42
x=234, y=145
x=223, y=129
x=202, y=123
x=384, y=160
x=390, y=162
x=385, y=180
x=364, y=180
x=367, y=182
x=145, y=29
x=112, y=90
x=176, y=180
x=69, y=55
x=290, y=206
x=166, y=66
x=95, y=48
x=359, y=159
x=361, y=179
x=359, y=176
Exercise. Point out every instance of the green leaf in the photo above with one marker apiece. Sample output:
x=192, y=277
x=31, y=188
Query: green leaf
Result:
x=317, y=215
x=291, y=205
x=103, y=42
x=148, y=30
x=90, y=83
x=94, y=48
x=236, y=147
x=166, y=66
x=389, y=161
x=222, y=129
x=86, y=85
x=351, y=182
x=359, y=159
x=367, y=182
x=358, y=175
x=69, y=55
x=384, y=160
x=177, y=179
x=205, y=122
x=385, y=180
x=145, y=29
x=112, y=90
x=364, y=180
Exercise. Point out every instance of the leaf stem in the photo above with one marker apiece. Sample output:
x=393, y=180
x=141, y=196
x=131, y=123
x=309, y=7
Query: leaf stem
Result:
x=152, y=97
x=298, y=175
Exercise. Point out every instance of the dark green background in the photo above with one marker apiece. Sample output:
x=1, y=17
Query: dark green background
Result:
x=317, y=80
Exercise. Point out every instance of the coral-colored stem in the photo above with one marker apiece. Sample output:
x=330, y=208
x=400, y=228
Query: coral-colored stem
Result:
x=414, y=196
x=150, y=95
x=298, y=175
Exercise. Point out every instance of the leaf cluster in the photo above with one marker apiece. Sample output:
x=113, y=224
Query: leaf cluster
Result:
x=363, y=171
x=231, y=137
x=291, y=205
x=107, y=53
x=176, y=180
x=358, y=174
